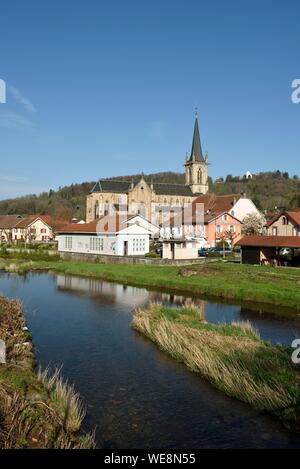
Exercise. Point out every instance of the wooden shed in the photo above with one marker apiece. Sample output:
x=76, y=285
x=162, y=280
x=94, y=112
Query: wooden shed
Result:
x=269, y=249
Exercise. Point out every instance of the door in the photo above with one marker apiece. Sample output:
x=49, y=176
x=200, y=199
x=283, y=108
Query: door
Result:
x=172, y=250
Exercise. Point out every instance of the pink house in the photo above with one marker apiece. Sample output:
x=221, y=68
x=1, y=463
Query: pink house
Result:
x=221, y=225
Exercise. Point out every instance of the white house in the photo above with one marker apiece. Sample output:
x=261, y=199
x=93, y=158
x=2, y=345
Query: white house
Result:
x=243, y=207
x=32, y=229
x=144, y=223
x=109, y=235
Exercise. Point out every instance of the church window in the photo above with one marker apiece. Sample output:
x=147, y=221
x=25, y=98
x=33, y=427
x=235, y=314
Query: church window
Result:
x=106, y=208
x=199, y=176
x=96, y=214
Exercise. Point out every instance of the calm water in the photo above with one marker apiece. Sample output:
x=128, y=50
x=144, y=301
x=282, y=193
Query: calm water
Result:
x=136, y=396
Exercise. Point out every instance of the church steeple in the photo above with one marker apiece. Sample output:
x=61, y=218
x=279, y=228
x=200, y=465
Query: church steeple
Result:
x=196, y=166
x=196, y=153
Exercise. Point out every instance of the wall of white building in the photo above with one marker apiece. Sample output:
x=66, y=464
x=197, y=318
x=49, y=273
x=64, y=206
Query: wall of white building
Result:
x=244, y=207
x=118, y=244
x=184, y=250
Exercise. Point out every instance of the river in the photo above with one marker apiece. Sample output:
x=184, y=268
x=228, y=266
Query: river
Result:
x=136, y=396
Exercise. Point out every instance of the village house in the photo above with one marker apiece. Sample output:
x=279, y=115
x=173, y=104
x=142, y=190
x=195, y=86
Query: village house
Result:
x=7, y=224
x=151, y=199
x=286, y=223
x=34, y=228
x=237, y=205
x=222, y=226
x=210, y=219
x=206, y=230
x=111, y=235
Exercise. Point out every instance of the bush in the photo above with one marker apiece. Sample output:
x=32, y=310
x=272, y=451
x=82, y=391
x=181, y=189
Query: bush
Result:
x=152, y=254
x=214, y=254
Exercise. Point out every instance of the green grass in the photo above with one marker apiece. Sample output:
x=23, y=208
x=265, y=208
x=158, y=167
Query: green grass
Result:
x=232, y=357
x=36, y=410
x=245, y=283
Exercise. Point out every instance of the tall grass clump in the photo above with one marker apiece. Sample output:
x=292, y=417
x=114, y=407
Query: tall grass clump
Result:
x=65, y=398
x=232, y=357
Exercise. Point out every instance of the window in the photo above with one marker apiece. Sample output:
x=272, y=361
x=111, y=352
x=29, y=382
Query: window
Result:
x=219, y=229
x=43, y=230
x=274, y=231
x=199, y=176
x=96, y=243
x=225, y=217
x=295, y=232
x=68, y=242
x=232, y=228
x=106, y=207
x=96, y=214
x=285, y=221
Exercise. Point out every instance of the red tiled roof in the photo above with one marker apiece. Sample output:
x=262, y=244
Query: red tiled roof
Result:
x=25, y=222
x=270, y=241
x=52, y=223
x=9, y=221
x=293, y=215
x=108, y=223
x=216, y=203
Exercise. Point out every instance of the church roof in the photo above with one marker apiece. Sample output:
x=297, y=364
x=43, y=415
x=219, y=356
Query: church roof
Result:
x=111, y=185
x=160, y=188
x=196, y=153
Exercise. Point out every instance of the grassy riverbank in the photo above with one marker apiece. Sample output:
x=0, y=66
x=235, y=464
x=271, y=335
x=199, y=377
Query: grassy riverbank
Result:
x=266, y=285
x=37, y=410
x=231, y=357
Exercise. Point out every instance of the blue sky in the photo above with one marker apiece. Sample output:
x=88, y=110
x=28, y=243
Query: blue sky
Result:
x=104, y=88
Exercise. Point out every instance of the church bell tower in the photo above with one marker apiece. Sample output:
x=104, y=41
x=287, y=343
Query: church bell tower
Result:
x=196, y=166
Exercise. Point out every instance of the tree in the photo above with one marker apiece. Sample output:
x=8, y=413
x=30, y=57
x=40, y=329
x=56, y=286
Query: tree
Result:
x=227, y=237
x=253, y=224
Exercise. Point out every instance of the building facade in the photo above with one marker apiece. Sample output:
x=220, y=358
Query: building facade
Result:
x=108, y=236
x=285, y=224
x=152, y=200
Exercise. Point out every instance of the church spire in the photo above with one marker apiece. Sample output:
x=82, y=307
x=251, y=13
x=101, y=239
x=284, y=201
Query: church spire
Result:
x=196, y=153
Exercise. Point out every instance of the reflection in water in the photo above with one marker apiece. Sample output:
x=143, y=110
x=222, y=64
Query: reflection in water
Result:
x=136, y=396
x=270, y=328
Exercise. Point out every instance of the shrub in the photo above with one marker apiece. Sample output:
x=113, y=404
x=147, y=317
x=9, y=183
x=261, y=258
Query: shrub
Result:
x=152, y=254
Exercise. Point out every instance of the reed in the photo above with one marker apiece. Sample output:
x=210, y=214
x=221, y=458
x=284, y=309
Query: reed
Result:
x=231, y=357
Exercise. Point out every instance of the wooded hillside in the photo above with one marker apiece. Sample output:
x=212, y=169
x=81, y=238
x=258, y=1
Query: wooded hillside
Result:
x=267, y=190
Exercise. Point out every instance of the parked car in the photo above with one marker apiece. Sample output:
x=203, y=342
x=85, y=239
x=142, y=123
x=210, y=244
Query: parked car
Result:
x=203, y=252
x=221, y=250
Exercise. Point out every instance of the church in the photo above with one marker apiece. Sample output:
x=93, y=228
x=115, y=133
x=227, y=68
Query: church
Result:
x=153, y=199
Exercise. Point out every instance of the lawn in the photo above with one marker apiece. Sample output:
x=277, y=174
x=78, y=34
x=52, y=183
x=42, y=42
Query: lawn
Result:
x=246, y=283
